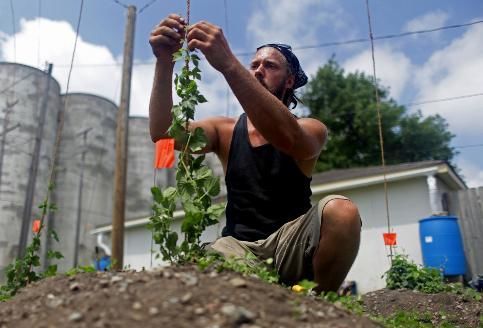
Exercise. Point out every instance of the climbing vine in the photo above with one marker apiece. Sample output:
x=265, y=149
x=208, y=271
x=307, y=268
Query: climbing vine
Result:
x=24, y=270
x=195, y=182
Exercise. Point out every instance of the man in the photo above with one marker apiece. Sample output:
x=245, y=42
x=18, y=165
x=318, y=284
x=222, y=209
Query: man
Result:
x=268, y=156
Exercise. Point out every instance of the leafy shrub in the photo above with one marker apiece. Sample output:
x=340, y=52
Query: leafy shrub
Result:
x=406, y=274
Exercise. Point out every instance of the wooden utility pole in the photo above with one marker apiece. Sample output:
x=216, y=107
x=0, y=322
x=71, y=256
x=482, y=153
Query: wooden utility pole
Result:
x=34, y=167
x=119, y=202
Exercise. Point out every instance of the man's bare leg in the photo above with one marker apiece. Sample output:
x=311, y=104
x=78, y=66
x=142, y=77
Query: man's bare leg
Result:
x=338, y=246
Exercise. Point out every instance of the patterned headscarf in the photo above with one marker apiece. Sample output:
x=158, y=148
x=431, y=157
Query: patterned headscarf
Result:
x=286, y=50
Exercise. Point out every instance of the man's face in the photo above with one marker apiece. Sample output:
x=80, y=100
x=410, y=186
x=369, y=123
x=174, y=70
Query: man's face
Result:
x=269, y=67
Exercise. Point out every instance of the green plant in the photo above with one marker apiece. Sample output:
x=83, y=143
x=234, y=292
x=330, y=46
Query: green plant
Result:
x=195, y=182
x=349, y=302
x=406, y=274
x=467, y=293
x=249, y=265
x=22, y=271
x=80, y=269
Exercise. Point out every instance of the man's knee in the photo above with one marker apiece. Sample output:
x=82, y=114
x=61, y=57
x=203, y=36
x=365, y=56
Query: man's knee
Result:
x=341, y=212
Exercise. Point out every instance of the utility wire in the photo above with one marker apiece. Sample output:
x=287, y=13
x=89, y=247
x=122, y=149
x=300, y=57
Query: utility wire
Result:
x=12, y=11
x=431, y=101
x=314, y=46
x=40, y=34
x=16, y=82
x=120, y=4
x=146, y=6
x=61, y=113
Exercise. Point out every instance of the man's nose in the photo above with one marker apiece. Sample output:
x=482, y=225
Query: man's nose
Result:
x=259, y=71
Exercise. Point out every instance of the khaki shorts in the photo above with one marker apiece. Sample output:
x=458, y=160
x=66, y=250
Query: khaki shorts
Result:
x=291, y=247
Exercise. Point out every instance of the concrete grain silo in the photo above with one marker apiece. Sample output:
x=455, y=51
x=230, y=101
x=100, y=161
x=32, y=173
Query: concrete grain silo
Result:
x=29, y=105
x=140, y=172
x=85, y=175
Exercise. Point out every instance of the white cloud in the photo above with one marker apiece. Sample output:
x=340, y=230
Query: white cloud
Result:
x=472, y=173
x=56, y=40
x=453, y=71
x=430, y=20
x=393, y=68
x=297, y=23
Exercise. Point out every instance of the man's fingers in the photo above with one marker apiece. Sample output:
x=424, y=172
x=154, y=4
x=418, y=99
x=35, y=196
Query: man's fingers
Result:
x=198, y=34
x=161, y=39
x=168, y=32
x=197, y=44
x=171, y=23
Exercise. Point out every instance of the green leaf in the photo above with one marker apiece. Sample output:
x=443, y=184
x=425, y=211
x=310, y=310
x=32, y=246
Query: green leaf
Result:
x=198, y=140
x=54, y=255
x=51, y=271
x=178, y=55
x=172, y=240
x=201, y=99
x=216, y=210
x=54, y=235
x=212, y=186
x=157, y=195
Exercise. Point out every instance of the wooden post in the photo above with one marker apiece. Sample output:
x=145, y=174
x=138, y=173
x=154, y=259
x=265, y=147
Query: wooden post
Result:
x=119, y=202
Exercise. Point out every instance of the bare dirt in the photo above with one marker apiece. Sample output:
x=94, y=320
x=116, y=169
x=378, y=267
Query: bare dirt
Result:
x=454, y=309
x=186, y=297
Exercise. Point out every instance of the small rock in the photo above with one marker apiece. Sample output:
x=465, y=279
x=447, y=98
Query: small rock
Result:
x=116, y=279
x=123, y=287
x=173, y=300
x=137, y=317
x=213, y=274
x=166, y=274
x=137, y=306
x=186, y=298
x=153, y=310
x=71, y=278
x=238, y=282
x=103, y=283
x=199, y=311
x=189, y=279
x=53, y=302
x=75, y=316
x=238, y=314
x=74, y=287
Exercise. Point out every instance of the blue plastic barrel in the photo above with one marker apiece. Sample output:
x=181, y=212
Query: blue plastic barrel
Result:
x=441, y=245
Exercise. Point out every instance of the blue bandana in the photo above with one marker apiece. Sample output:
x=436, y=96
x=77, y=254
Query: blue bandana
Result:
x=286, y=50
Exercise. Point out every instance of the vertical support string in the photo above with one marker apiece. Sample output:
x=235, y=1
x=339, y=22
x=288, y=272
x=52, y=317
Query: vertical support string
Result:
x=379, y=122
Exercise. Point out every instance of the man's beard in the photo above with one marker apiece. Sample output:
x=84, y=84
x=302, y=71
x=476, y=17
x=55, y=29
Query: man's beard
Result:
x=278, y=91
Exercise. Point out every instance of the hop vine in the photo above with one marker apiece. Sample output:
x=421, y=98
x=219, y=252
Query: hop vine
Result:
x=195, y=182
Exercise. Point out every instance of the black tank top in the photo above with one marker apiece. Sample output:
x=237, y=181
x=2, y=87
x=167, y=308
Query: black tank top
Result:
x=266, y=188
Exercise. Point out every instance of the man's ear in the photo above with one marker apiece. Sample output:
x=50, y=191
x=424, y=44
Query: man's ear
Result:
x=290, y=82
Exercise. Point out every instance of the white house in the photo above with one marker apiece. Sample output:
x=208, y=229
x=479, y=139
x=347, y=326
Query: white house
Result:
x=415, y=191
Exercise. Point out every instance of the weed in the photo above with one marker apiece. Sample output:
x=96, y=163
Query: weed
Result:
x=406, y=274
x=249, y=265
x=349, y=302
x=80, y=269
x=22, y=271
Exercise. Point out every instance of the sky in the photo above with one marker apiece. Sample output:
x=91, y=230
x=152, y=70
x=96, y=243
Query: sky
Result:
x=415, y=68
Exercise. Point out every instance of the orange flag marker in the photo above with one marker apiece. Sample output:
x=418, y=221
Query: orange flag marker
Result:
x=36, y=226
x=164, y=153
x=389, y=238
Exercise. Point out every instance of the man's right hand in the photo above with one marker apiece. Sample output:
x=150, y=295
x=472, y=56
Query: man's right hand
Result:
x=166, y=37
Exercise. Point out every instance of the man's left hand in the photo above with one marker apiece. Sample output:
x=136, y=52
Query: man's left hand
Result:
x=210, y=40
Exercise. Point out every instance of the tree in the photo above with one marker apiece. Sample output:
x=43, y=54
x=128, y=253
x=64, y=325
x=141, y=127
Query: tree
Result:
x=346, y=104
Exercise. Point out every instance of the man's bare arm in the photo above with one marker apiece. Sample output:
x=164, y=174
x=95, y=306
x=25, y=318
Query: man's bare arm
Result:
x=301, y=139
x=165, y=40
